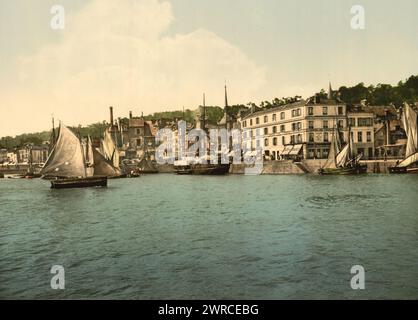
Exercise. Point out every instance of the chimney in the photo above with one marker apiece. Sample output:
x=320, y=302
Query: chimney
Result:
x=111, y=116
x=130, y=114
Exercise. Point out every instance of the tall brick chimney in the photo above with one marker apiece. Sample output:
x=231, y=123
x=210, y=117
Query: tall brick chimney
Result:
x=130, y=114
x=111, y=116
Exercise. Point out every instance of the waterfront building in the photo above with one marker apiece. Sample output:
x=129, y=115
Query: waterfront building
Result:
x=302, y=129
x=361, y=123
x=133, y=136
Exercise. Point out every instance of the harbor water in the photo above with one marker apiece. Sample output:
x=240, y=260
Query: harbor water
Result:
x=229, y=237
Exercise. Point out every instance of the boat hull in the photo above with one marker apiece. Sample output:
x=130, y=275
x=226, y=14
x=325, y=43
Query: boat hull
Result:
x=343, y=171
x=70, y=183
x=403, y=170
x=209, y=169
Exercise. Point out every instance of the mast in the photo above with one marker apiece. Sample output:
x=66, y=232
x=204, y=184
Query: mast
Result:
x=204, y=112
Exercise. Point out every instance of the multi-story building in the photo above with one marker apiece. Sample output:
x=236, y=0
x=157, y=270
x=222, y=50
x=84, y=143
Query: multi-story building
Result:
x=302, y=129
x=361, y=125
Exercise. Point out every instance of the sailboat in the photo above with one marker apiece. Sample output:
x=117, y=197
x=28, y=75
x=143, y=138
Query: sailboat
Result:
x=409, y=118
x=341, y=161
x=66, y=165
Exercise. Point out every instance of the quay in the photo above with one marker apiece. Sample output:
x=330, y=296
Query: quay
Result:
x=310, y=166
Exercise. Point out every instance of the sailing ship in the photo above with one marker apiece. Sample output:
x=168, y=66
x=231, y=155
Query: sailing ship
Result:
x=341, y=161
x=107, y=162
x=408, y=164
x=204, y=167
x=66, y=166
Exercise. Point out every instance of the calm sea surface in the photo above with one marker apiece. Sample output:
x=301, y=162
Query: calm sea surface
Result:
x=256, y=237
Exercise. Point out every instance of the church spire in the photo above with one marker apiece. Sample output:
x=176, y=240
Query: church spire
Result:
x=330, y=92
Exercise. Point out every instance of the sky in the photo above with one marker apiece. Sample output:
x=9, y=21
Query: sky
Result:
x=157, y=55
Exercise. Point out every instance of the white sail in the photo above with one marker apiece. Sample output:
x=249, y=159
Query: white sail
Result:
x=410, y=124
x=110, y=150
x=409, y=160
x=343, y=156
x=67, y=157
x=333, y=151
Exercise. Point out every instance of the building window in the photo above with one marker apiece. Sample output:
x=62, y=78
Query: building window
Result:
x=365, y=122
x=274, y=129
x=352, y=122
x=311, y=125
x=282, y=115
x=299, y=126
x=257, y=121
x=311, y=137
x=341, y=123
x=251, y=122
x=325, y=124
x=299, y=139
x=340, y=110
x=266, y=142
x=282, y=128
x=324, y=111
x=292, y=139
x=274, y=117
x=369, y=136
x=266, y=131
x=310, y=111
x=283, y=140
x=326, y=137
x=293, y=126
x=295, y=112
x=360, y=136
x=265, y=119
x=275, y=141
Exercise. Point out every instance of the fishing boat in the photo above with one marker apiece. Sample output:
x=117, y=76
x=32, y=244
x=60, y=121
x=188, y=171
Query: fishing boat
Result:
x=409, y=163
x=66, y=166
x=341, y=161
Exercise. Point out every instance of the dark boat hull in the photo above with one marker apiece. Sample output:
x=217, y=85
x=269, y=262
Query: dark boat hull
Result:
x=343, y=171
x=70, y=183
x=209, y=169
x=403, y=170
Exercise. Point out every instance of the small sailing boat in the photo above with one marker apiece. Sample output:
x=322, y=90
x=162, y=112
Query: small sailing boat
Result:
x=342, y=161
x=66, y=166
x=408, y=164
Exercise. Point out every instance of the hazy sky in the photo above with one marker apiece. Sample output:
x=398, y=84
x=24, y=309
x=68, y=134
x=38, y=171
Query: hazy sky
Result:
x=152, y=55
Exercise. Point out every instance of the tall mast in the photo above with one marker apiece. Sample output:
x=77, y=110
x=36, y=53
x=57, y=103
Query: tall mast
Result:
x=204, y=112
x=53, y=130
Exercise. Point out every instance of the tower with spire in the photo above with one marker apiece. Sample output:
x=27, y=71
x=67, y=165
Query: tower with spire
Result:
x=330, y=92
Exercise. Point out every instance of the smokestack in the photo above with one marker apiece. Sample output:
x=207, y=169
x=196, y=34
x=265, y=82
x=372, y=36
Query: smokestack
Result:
x=130, y=114
x=111, y=116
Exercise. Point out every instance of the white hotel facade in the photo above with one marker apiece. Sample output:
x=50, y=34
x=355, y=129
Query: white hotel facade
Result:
x=304, y=129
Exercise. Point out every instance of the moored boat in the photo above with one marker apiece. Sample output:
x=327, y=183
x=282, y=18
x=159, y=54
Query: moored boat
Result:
x=409, y=163
x=342, y=161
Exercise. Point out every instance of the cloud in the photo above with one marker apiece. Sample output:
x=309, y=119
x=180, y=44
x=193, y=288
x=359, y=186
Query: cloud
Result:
x=120, y=53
